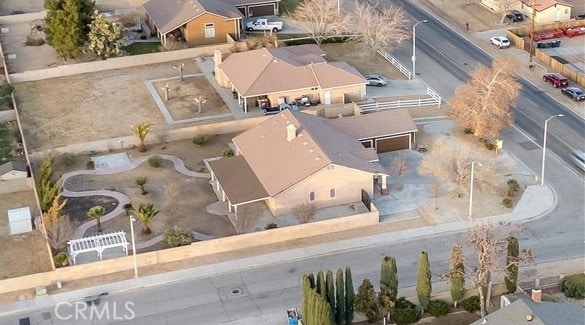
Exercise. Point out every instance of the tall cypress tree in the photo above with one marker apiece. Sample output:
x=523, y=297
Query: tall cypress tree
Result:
x=457, y=274
x=511, y=277
x=349, y=296
x=330, y=295
x=305, y=297
x=339, y=298
x=423, y=282
x=388, y=283
x=321, y=287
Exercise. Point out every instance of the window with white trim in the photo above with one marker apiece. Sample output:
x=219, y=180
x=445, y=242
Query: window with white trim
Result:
x=209, y=30
x=312, y=196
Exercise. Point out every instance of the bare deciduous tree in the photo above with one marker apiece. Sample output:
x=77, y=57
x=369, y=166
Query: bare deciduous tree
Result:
x=319, y=19
x=450, y=164
x=400, y=168
x=59, y=232
x=484, y=103
x=305, y=212
x=488, y=243
x=377, y=27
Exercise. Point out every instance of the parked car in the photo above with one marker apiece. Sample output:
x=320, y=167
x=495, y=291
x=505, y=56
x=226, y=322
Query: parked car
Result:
x=578, y=157
x=500, y=41
x=580, y=17
x=515, y=15
x=263, y=24
x=575, y=93
x=556, y=79
x=376, y=80
x=280, y=108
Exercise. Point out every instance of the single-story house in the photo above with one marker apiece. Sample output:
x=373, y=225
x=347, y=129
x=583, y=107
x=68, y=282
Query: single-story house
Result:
x=520, y=309
x=295, y=158
x=199, y=22
x=254, y=8
x=547, y=11
x=284, y=73
x=13, y=170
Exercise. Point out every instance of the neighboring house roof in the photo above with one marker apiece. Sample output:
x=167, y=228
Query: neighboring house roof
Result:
x=279, y=164
x=271, y=70
x=250, y=2
x=384, y=123
x=168, y=15
x=12, y=166
x=541, y=5
x=543, y=313
x=238, y=180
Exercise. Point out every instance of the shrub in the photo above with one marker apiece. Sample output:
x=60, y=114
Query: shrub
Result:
x=178, y=237
x=90, y=165
x=155, y=161
x=271, y=226
x=490, y=146
x=507, y=202
x=468, y=131
x=201, y=139
x=574, y=286
x=61, y=259
x=67, y=159
x=513, y=185
x=548, y=298
x=227, y=152
x=405, y=312
x=470, y=304
x=31, y=41
x=438, y=308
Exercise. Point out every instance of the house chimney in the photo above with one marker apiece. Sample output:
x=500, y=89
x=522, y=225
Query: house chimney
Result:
x=536, y=295
x=291, y=132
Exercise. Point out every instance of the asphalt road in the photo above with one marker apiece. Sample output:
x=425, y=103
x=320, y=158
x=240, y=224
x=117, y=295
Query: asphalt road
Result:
x=261, y=295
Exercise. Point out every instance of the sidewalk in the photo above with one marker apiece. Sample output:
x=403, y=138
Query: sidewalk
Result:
x=535, y=202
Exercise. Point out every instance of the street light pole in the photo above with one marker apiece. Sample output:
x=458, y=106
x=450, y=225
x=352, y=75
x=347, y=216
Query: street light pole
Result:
x=471, y=188
x=132, y=219
x=544, y=146
x=414, y=48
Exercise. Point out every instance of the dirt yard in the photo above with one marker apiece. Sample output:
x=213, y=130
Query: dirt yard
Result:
x=25, y=253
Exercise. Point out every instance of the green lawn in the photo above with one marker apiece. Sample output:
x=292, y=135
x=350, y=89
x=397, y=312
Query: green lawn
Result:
x=142, y=48
x=5, y=147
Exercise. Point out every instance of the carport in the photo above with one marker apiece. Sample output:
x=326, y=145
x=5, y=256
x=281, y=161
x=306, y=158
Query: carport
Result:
x=234, y=181
x=384, y=131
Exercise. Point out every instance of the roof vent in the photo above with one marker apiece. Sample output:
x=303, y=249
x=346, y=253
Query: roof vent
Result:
x=291, y=132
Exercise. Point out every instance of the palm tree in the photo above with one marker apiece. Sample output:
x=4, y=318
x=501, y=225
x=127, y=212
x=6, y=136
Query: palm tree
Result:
x=146, y=213
x=97, y=212
x=141, y=131
x=140, y=181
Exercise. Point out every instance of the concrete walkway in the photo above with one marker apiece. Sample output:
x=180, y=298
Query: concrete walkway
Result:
x=122, y=198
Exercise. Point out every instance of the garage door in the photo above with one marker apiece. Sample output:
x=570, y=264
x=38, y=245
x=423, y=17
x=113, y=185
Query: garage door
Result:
x=264, y=10
x=392, y=144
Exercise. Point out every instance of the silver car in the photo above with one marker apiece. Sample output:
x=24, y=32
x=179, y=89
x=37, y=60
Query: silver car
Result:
x=376, y=80
x=500, y=41
x=578, y=157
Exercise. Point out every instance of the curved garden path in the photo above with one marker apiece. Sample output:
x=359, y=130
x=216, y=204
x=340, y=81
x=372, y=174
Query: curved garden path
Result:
x=122, y=198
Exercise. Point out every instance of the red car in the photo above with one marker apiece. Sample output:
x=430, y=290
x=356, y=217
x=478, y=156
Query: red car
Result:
x=556, y=79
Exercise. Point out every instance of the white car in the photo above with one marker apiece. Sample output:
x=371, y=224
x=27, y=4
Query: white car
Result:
x=376, y=80
x=500, y=41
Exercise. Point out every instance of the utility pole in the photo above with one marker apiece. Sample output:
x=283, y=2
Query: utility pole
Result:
x=532, y=16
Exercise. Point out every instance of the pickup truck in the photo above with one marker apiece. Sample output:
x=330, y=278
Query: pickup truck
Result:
x=263, y=24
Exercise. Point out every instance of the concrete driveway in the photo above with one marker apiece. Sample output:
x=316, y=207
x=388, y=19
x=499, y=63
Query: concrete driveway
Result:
x=398, y=88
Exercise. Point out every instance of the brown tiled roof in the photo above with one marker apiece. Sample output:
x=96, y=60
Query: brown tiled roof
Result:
x=279, y=164
x=367, y=126
x=12, y=165
x=265, y=71
x=541, y=5
x=168, y=15
x=237, y=180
